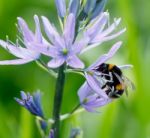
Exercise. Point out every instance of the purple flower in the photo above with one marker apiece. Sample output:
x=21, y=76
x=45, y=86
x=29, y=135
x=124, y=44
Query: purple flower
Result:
x=31, y=103
x=65, y=48
x=91, y=100
x=91, y=93
x=61, y=7
x=99, y=33
x=33, y=44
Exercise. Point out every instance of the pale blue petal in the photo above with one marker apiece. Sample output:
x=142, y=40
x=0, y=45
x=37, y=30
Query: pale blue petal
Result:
x=74, y=6
x=84, y=91
x=27, y=34
x=99, y=8
x=69, y=30
x=61, y=7
x=97, y=26
x=98, y=102
x=38, y=34
x=12, y=49
x=105, y=57
x=75, y=62
x=50, y=30
x=23, y=95
x=53, y=52
x=15, y=61
x=95, y=85
x=40, y=48
x=111, y=28
x=56, y=62
x=90, y=5
x=100, y=39
x=79, y=46
x=21, y=102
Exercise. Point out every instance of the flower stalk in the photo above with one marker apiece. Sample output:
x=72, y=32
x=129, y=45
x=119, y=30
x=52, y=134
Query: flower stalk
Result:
x=58, y=100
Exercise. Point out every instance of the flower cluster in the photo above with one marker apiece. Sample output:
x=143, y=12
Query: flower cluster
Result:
x=61, y=48
x=64, y=48
x=84, y=26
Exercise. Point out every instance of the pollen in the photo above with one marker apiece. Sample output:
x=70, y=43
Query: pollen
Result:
x=120, y=87
x=110, y=67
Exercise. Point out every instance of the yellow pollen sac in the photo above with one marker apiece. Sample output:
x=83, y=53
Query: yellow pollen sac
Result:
x=110, y=67
x=120, y=87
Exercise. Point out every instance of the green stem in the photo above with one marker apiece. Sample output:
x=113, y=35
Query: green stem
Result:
x=75, y=108
x=58, y=101
x=41, y=64
x=67, y=116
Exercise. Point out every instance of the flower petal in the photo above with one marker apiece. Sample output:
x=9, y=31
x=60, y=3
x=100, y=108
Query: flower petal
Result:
x=23, y=95
x=61, y=7
x=73, y=6
x=95, y=85
x=97, y=25
x=21, y=102
x=15, y=61
x=40, y=48
x=27, y=34
x=112, y=27
x=101, y=39
x=56, y=62
x=99, y=8
x=90, y=5
x=107, y=56
x=69, y=29
x=78, y=46
x=84, y=91
x=75, y=62
x=12, y=49
x=50, y=30
x=38, y=34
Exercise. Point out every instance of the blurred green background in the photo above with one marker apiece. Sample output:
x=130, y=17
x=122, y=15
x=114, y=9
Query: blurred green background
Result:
x=128, y=117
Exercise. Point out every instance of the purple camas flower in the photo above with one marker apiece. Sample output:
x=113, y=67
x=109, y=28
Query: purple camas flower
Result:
x=89, y=99
x=104, y=82
x=31, y=103
x=91, y=93
x=64, y=48
x=30, y=47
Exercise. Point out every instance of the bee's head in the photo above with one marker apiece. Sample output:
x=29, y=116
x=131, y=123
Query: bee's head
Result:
x=102, y=68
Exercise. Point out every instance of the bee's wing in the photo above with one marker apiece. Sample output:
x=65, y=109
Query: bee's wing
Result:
x=126, y=92
x=129, y=83
x=125, y=66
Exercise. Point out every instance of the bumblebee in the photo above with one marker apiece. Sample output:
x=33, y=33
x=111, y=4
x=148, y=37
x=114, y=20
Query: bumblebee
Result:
x=114, y=83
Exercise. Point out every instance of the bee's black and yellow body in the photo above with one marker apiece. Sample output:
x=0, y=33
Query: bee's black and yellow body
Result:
x=114, y=85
